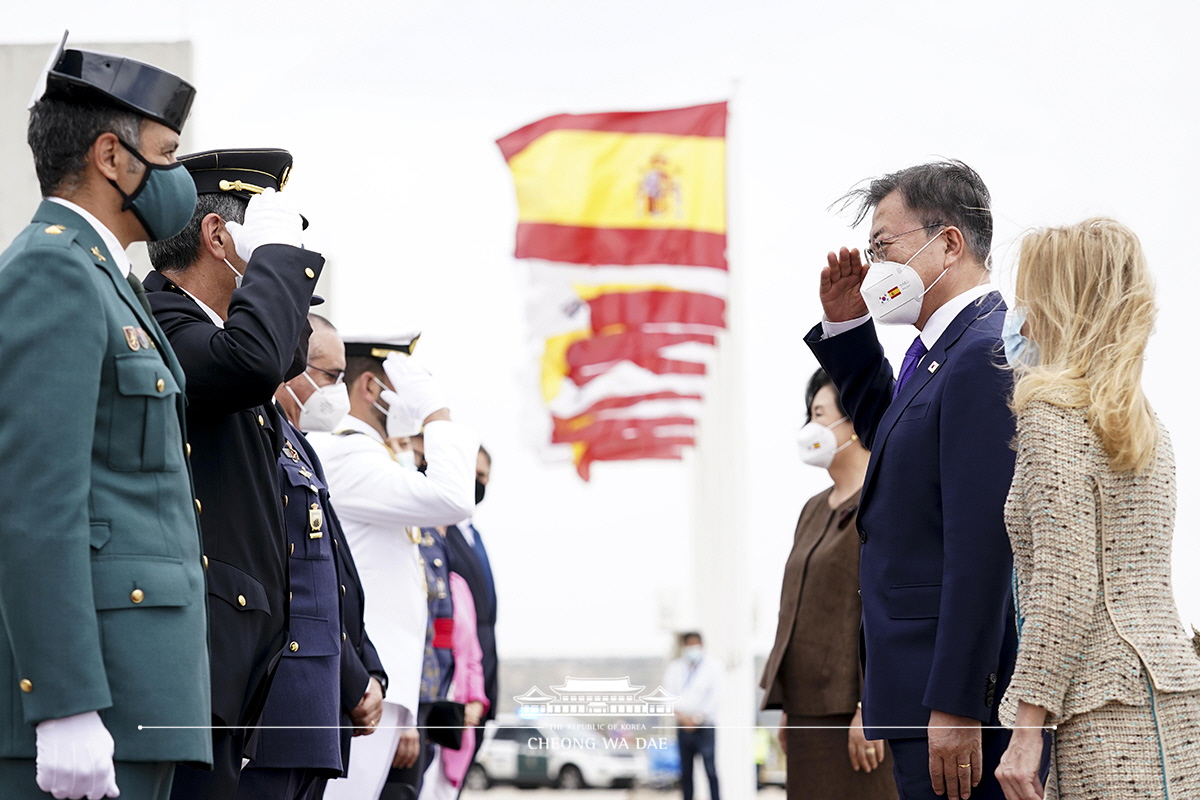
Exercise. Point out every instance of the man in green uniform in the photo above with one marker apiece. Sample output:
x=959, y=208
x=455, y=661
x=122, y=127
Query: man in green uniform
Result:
x=103, y=655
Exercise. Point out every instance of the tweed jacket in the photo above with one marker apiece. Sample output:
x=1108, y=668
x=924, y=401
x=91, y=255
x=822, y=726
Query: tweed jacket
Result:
x=1092, y=558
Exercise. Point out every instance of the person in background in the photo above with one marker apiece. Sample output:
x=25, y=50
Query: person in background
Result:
x=813, y=671
x=1103, y=655
x=454, y=648
x=469, y=558
x=695, y=678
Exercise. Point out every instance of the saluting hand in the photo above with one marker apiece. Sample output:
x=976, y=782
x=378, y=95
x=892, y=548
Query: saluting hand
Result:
x=840, y=283
x=268, y=220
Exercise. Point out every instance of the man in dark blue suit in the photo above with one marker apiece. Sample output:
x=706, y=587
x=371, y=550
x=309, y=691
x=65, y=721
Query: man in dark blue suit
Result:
x=938, y=626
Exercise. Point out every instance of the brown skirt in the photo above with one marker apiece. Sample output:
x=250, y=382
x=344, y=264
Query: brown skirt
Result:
x=818, y=763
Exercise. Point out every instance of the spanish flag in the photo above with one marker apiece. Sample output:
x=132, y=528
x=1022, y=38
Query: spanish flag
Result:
x=623, y=188
x=623, y=358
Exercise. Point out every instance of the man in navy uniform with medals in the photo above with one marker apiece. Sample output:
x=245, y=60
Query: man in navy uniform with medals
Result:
x=103, y=654
x=301, y=746
x=232, y=292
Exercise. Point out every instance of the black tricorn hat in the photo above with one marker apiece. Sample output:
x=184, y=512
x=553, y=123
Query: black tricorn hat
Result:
x=84, y=76
x=244, y=172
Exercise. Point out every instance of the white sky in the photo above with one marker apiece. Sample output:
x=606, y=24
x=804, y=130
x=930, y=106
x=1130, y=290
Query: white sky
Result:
x=1067, y=110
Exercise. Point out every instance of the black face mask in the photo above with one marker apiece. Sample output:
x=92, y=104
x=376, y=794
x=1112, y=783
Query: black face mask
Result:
x=480, y=486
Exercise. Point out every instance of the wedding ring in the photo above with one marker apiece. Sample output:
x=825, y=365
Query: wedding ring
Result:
x=871, y=750
x=964, y=766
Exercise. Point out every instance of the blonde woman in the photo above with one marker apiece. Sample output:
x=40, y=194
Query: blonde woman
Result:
x=1103, y=655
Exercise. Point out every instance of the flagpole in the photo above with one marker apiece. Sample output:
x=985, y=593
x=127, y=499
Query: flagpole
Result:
x=722, y=587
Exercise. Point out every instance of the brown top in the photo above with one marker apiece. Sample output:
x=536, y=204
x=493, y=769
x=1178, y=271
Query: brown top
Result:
x=1092, y=552
x=813, y=669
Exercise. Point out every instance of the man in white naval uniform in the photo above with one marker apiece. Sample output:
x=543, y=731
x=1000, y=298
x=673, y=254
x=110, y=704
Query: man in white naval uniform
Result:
x=382, y=504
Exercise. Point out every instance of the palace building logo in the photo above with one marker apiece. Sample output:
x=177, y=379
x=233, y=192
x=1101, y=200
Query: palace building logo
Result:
x=596, y=697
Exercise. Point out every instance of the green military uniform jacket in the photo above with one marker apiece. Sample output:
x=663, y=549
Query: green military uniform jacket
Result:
x=102, y=597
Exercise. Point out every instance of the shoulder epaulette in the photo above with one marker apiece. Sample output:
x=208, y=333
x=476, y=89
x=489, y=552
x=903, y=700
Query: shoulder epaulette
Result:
x=54, y=236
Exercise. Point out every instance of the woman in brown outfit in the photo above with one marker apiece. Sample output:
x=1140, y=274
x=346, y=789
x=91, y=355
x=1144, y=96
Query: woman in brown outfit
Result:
x=813, y=670
x=1091, y=513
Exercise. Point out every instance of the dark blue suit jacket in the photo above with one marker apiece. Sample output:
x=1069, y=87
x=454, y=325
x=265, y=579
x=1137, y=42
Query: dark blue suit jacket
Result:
x=936, y=565
x=466, y=563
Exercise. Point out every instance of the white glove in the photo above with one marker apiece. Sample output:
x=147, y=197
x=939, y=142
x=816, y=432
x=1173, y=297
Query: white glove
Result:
x=399, y=423
x=268, y=221
x=75, y=758
x=417, y=394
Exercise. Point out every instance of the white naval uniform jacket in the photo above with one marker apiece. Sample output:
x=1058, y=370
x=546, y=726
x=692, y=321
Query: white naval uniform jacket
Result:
x=377, y=499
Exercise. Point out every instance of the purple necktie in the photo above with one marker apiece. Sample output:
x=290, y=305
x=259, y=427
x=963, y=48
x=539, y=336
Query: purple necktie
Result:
x=909, y=365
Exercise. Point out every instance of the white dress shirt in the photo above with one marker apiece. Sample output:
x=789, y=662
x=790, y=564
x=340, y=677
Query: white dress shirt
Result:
x=119, y=256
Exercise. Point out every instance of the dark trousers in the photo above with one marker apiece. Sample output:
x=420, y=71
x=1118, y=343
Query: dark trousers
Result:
x=222, y=780
x=911, y=766
x=698, y=742
x=277, y=784
x=149, y=780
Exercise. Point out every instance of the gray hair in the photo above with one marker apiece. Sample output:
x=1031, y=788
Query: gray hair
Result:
x=61, y=133
x=940, y=193
x=183, y=249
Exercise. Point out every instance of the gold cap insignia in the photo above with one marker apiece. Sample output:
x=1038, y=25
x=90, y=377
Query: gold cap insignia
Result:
x=239, y=186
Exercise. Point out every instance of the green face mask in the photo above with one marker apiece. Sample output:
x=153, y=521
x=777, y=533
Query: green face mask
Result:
x=165, y=199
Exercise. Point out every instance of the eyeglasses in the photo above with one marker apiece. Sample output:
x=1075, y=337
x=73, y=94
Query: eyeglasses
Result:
x=338, y=376
x=875, y=253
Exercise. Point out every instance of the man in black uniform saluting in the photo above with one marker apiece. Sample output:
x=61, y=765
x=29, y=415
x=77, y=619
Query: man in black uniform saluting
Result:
x=231, y=292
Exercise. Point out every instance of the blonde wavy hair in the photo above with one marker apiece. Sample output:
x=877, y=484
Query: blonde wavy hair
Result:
x=1090, y=302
